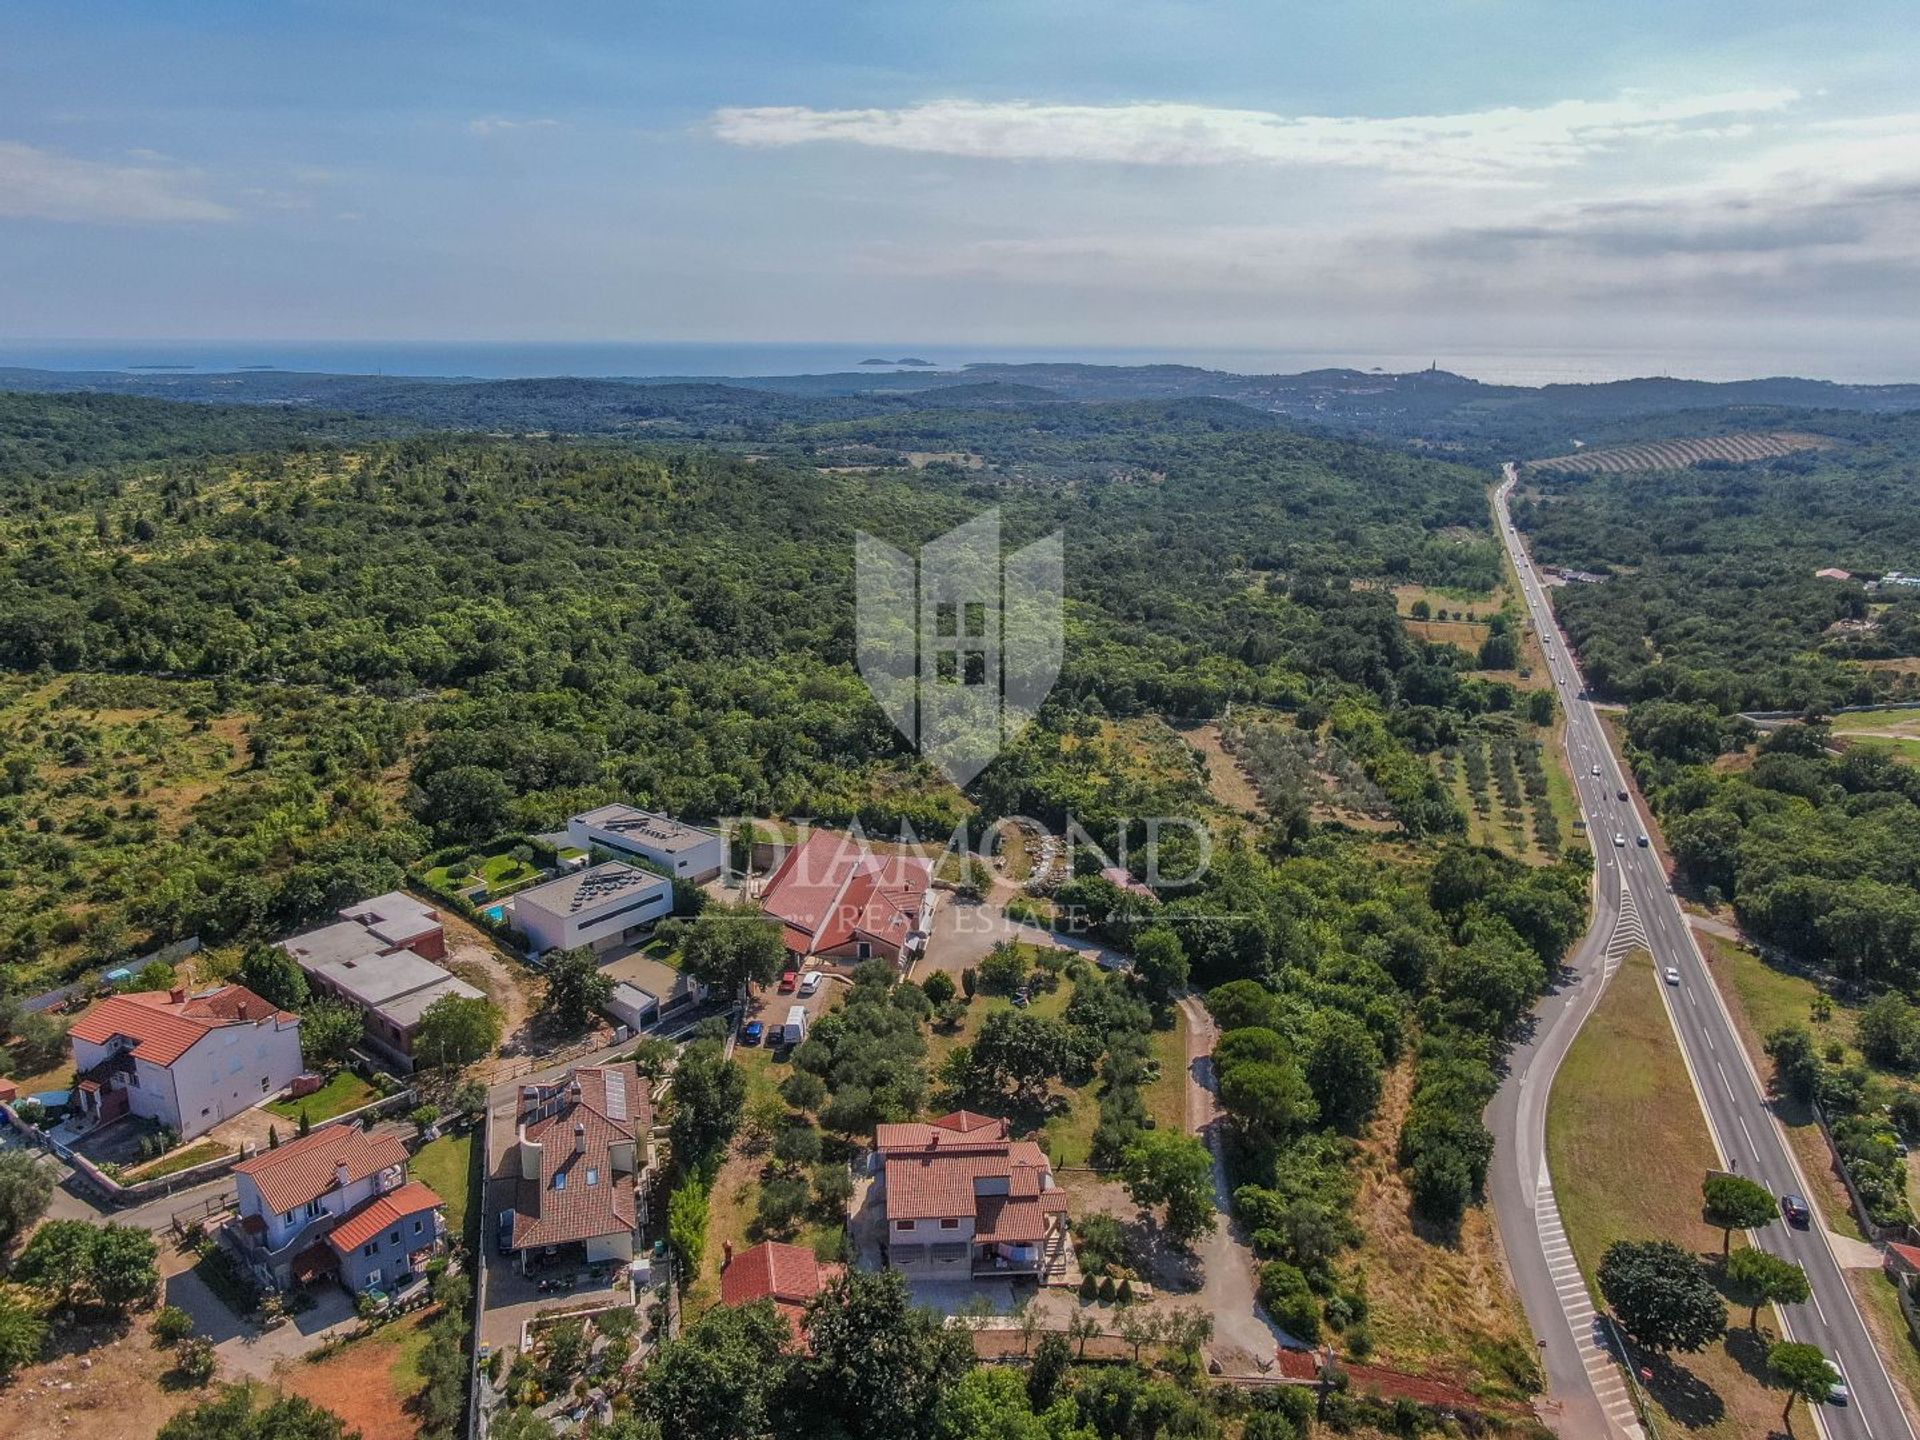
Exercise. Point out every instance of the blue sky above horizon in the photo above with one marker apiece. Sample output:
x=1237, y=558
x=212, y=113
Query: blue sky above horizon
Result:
x=1396, y=175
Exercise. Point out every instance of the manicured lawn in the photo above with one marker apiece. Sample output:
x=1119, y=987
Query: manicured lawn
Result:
x=1628, y=1148
x=499, y=873
x=345, y=1091
x=1877, y=720
x=446, y=1164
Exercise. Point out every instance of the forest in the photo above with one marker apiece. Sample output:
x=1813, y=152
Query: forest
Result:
x=1710, y=592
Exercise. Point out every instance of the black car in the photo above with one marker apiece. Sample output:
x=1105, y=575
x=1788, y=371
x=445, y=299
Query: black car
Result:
x=1796, y=1211
x=503, y=1233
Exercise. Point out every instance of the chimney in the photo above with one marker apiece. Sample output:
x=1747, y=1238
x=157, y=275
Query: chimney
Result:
x=573, y=1092
x=580, y=1138
x=241, y=1009
x=726, y=1253
x=177, y=995
x=341, y=1175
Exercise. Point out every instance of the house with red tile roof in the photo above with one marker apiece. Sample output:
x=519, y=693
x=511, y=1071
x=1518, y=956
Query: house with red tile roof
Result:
x=337, y=1203
x=582, y=1164
x=837, y=900
x=788, y=1275
x=185, y=1061
x=965, y=1200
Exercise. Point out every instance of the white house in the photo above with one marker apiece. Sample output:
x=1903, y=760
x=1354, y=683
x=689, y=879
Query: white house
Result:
x=683, y=851
x=601, y=908
x=183, y=1061
x=337, y=1203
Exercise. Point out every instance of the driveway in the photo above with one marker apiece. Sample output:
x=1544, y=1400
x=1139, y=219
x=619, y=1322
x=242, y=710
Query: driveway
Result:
x=1244, y=1339
x=965, y=931
x=245, y=1349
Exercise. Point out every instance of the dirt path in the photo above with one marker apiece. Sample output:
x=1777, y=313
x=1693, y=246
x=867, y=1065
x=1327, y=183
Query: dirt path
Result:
x=1244, y=1340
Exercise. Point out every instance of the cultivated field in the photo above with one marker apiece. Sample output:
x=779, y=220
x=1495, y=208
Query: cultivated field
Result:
x=1679, y=454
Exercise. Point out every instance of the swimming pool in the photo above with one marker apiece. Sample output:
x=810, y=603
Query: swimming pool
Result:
x=495, y=913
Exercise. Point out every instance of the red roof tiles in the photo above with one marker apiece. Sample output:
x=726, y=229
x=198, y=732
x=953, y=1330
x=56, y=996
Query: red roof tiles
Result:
x=164, y=1025
x=579, y=1192
x=933, y=1173
x=831, y=890
x=380, y=1212
x=306, y=1168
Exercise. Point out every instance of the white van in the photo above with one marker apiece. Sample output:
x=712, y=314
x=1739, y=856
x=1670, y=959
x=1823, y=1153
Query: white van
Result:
x=795, y=1030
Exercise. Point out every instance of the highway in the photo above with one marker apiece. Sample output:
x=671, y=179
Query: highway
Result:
x=1634, y=902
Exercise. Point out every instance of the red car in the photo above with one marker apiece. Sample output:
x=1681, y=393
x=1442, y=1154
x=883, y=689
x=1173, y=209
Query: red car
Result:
x=789, y=982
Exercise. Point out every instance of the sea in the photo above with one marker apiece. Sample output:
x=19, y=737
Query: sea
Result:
x=499, y=360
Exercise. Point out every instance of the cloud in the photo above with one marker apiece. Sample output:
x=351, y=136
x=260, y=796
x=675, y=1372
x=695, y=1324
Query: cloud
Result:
x=43, y=185
x=487, y=125
x=1483, y=144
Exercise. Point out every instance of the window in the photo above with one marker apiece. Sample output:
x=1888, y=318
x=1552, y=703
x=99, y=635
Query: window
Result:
x=905, y=1226
x=419, y=1226
x=315, y=1209
x=949, y=1224
x=370, y=1249
x=560, y=1181
x=394, y=1238
x=264, y=1083
x=593, y=1176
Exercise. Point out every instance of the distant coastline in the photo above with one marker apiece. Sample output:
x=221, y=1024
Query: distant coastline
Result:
x=615, y=360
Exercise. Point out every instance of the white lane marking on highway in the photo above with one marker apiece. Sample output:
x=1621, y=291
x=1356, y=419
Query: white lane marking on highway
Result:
x=1818, y=1310
x=1752, y=1149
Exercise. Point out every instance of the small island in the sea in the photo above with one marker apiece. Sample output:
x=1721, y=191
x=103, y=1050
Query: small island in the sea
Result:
x=909, y=360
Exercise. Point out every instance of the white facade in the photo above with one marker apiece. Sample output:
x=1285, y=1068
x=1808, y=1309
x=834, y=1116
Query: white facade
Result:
x=230, y=1069
x=330, y=1205
x=597, y=908
x=685, y=852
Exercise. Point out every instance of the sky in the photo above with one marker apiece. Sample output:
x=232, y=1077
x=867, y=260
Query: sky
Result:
x=1397, y=174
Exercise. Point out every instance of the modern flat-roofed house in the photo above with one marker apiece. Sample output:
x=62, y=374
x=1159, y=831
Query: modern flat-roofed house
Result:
x=337, y=1203
x=964, y=1200
x=599, y=908
x=837, y=900
x=185, y=1061
x=380, y=959
x=683, y=851
x=582, y=1162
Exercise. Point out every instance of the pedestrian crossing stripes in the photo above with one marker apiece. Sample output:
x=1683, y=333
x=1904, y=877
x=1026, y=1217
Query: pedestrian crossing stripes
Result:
x=1589, y=1328
x=1629, y=932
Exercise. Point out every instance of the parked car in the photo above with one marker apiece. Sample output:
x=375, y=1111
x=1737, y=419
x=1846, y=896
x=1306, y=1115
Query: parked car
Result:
x=751, y=1032
x=1796, y=1211
x=503, y=1233
x=789, y=982
x=810, y=982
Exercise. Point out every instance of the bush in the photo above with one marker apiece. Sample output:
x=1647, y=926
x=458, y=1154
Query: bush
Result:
x=1289, y=1300
x=194, y=1361
x=171, y=1324
x=1089, y=1287
x=1107, y=1289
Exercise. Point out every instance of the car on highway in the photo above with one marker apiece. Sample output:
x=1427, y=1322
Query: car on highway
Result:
x=1838, y=1393
x=1595, y=772
x=1620, y=795
x=1796, y=1211
x=1673, y=976
x=752, y=1032
x=1619, y=841
x=1642, y=842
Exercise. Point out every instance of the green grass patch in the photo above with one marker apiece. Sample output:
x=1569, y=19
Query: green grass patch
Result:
x=173, y=1162
x=1628, y=1148
x=1877, y=719
x=447, y=1164
x=345, y=1091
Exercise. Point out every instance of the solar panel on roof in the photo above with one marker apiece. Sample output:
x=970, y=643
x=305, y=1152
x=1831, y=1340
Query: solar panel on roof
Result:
x=616, y=1095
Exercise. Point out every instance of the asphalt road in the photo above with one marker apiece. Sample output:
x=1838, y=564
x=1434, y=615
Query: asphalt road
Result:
x=1729, y=1089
